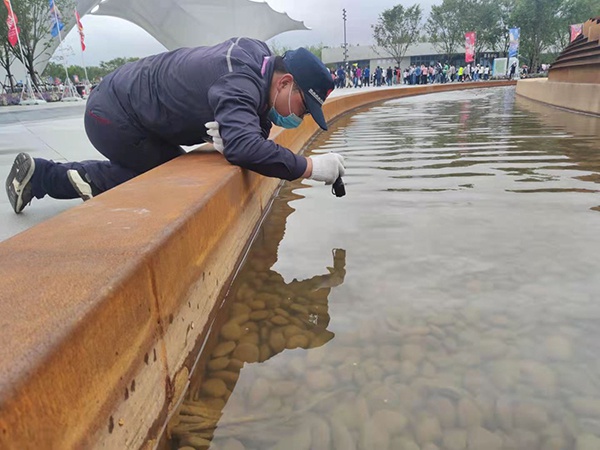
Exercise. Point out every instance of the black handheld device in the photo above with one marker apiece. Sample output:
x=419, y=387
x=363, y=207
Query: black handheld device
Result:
x=338, y=189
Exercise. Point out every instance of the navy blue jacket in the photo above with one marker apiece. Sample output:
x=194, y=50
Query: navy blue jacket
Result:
x=173, y=94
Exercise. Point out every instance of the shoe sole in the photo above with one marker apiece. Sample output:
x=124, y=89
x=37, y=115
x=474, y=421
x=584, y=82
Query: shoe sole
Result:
x=18, y=178
x=80, y=185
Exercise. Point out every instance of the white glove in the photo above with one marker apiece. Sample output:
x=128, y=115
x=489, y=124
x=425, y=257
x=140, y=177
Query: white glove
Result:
x=213, y=131
x=327, y=167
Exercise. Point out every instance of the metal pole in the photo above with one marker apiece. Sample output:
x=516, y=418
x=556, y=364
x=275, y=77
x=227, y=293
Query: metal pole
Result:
x=69, y=90
x=84, y=68
x=345, y=42
x=87, y=79
x=59, y=36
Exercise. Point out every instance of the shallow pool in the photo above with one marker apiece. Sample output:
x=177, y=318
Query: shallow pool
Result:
x=449, y=301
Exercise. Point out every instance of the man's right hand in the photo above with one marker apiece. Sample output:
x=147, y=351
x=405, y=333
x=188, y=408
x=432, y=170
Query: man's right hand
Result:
x=327, y=167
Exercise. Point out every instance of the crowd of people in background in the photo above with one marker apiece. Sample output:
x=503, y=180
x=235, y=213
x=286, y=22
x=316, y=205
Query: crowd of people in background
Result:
x=356, y=76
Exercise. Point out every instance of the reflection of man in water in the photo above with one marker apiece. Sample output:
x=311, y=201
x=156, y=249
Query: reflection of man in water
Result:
x=262, y=317
x=277, y=315
x=300, y=315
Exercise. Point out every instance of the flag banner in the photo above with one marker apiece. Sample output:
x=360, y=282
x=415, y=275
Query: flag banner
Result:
x=576, y=30
x=470, y=46
x=76, y=78
x=514, y=35
x=12, y=24
x=80, y=29
x=56, y=19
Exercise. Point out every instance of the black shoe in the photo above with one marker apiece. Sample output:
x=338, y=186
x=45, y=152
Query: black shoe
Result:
x=82, y=183
x=18, y=182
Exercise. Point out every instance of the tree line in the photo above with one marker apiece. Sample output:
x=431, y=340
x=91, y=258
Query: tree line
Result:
x=544, y=26
x=56, y=70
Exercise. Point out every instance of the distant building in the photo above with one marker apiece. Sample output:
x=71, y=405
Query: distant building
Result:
x=420, y=53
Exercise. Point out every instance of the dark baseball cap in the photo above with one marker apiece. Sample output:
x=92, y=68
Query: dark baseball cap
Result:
x=313, y=78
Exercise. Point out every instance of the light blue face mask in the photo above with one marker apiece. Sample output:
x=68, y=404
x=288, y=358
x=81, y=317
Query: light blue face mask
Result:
x=291, y=121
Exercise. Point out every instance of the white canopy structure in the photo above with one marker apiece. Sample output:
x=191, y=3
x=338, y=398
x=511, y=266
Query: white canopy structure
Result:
x=188, y=23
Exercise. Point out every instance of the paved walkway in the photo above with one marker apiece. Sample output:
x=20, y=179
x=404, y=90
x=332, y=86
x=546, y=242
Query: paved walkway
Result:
x=53, y=131
x=347, y=91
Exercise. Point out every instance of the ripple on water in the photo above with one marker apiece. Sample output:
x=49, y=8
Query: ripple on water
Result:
x=462, y=312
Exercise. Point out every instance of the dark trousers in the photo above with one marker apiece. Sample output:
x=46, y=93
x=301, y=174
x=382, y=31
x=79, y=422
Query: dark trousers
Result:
x=130, y=151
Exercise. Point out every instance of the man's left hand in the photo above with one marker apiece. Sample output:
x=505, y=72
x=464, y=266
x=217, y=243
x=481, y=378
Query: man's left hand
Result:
x=213, y=131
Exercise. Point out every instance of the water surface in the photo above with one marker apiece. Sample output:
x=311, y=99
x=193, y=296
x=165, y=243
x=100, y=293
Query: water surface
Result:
x=449, y=301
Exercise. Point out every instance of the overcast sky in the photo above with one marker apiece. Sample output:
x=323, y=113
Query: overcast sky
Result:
x=107, y=38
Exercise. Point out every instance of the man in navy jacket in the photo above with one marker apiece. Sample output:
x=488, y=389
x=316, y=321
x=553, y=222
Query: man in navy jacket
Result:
x=139, y=116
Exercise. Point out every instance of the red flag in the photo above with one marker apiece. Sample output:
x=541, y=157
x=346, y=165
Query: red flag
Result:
x=80, y=29
x=11, y=22
x=470, y=46
x=576, y=30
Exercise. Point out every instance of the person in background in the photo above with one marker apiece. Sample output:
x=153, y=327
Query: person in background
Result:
x=358, y=77
x=341, y=77
x=438, y=72
x=139, y=116
x=378, y=73
x=349, y=77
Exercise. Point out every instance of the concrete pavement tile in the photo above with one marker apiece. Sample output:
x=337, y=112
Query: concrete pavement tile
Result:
x=45, y=131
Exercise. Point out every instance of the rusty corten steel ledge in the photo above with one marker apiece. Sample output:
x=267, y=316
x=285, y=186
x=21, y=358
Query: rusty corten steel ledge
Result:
x=102, y=306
